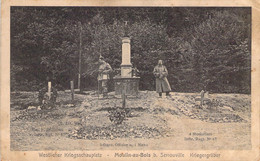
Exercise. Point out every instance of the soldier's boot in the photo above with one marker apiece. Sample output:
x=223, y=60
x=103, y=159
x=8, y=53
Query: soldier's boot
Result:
x=168, y=94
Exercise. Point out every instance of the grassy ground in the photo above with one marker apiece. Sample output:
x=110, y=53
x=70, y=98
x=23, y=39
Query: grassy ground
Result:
x=150, y=123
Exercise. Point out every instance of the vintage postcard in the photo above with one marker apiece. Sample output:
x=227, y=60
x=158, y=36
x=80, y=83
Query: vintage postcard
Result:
x=130, y=80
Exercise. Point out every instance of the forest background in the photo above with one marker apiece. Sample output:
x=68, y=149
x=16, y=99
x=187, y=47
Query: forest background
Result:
x=202, y=48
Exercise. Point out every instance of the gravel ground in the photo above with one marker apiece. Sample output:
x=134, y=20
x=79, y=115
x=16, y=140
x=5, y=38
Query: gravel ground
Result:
x=158, y=123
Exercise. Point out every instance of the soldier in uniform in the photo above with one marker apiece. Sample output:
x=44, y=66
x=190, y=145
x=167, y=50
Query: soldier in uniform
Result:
x=162, y=85
x=103, y=75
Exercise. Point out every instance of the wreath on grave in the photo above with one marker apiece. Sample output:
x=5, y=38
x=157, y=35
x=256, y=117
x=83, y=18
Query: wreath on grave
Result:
x=117, y=115
x=44, y=101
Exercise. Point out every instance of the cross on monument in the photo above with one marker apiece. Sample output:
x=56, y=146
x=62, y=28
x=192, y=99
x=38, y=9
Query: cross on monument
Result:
x=125, y=29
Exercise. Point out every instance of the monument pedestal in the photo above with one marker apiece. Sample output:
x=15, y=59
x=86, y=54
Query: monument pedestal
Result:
x=130, y=85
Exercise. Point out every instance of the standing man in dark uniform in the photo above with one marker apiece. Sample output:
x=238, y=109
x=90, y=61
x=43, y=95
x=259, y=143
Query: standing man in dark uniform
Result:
x=162, y=85
x=103, y=75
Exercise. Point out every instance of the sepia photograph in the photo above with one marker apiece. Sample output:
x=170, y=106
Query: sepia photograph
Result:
x=130, y=78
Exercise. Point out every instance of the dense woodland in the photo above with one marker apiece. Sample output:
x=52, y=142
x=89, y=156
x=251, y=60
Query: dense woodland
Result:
x=202, y=48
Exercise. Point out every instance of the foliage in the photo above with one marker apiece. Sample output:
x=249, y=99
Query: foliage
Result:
x=202, y=48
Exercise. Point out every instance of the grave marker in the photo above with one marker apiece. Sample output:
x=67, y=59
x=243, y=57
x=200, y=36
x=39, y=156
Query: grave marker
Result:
x=49, y=90
x=72, y=90
x=202, y=97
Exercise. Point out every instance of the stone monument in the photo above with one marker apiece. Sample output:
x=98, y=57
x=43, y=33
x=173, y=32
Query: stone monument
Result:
x=126, y=83
x=126, y=66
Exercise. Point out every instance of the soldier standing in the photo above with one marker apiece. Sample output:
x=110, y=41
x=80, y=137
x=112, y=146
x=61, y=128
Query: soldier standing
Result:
x=162, y=85
x=103, y=75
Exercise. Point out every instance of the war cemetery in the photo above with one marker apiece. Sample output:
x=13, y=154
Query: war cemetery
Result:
x=90, y=78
